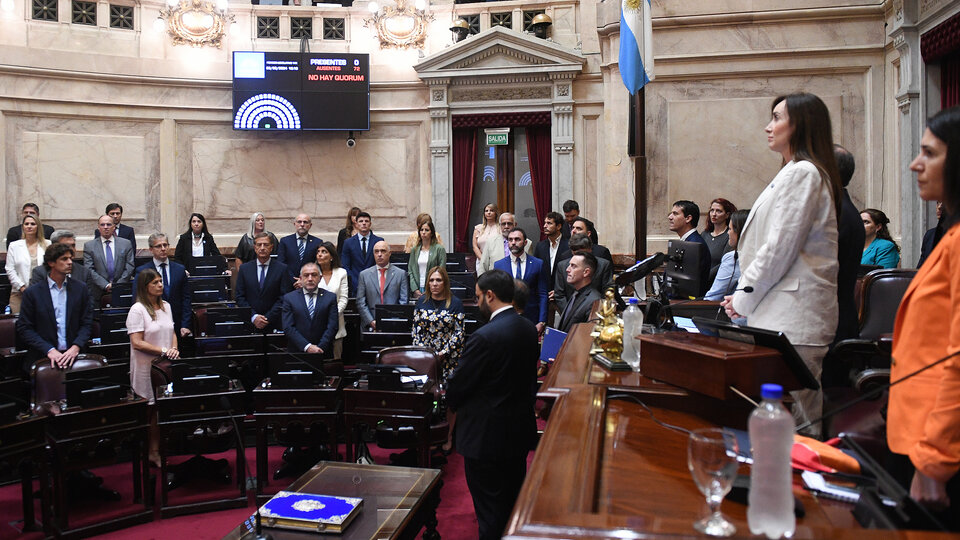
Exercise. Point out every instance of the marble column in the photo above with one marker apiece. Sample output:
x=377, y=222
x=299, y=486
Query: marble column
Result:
x=441, y=164
x=562, y=139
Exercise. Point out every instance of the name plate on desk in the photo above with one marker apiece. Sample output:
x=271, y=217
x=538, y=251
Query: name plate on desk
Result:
x=711, y=365
x=300, y=511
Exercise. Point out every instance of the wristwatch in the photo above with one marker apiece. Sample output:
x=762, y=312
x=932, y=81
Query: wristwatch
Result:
x=163, y=351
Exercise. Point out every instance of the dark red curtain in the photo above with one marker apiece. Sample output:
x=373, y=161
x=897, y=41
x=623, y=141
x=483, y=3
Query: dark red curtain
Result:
x=540, y=154
x=950, y=81
x=464, y=167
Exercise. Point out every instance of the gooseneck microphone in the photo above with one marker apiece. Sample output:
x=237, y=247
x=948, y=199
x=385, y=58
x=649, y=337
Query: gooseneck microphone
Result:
x=875, y=392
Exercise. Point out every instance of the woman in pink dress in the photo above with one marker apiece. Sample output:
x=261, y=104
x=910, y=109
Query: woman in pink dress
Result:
x=150, y=326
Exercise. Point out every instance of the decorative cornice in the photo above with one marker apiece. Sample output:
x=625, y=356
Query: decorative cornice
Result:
x=563, y=148
x=501, y=94
x=904, y=101
x=498, y=50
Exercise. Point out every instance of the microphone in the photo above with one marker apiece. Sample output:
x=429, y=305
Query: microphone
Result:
x=875, y=392
x=641, y=269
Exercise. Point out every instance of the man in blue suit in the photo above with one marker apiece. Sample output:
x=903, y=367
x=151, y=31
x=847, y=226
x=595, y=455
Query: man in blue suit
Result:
x=310, y=317
x=115, y=211
x=532, y=271
x=492, y=392
x=56, y=316
x=358, y=251
x=175, y=289
x=261, y=284
x=298, y=248
x=683, y=220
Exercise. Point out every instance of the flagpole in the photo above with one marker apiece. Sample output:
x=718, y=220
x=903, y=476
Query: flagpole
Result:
x=639, y=133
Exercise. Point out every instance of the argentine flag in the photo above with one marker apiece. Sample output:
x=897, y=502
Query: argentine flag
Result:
x=636, y=49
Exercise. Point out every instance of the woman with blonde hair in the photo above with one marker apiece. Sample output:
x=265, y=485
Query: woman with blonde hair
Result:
x=487, y=229
x=23, y=256
x=244, y=252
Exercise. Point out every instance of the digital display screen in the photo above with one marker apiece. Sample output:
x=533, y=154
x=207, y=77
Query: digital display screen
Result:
x=301, y=91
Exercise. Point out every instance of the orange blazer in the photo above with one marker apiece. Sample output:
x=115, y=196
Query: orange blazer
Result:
x=923, y=421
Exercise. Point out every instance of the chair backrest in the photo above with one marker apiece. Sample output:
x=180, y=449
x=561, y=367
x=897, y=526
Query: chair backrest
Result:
x=423, y=360
x=8, y=332
x=882, y=292
x=48, y=382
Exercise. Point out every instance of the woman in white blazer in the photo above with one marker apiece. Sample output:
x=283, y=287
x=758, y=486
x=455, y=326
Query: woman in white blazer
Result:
x=23, y=256
x=334, y=279
x=788, y=246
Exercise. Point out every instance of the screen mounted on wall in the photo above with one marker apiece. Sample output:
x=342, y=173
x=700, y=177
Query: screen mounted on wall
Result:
x=301, y=91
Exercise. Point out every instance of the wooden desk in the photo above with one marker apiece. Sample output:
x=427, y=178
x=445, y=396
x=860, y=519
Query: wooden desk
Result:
x=397, y=501
x=21, y=447
x=77, y=439
x=289, y=409
x=392, y=408
x=605, y=469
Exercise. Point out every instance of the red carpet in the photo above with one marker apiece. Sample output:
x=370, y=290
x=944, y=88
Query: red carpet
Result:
x=455, y=513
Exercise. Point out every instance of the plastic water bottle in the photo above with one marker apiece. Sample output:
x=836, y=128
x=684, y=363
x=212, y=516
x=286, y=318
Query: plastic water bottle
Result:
x=632, y=324
x=7, y=310
x=771, y=494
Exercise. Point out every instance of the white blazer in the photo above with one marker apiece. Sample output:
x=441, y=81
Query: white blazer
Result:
x=18, y=263
x=338, y=285
x=788, y=254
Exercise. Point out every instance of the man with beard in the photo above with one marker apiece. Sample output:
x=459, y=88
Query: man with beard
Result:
x=493, y=391
x=494, y=251
x=531, y=270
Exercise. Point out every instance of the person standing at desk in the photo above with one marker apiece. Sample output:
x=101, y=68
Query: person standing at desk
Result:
x=788, y=246
x=175, y=288
x=261, y=284
x=492, y=392
x=382, y=283
x=151, y=328
x=924, y=412
x=310, y=317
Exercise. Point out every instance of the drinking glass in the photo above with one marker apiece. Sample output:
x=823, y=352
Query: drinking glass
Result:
x=712, y=460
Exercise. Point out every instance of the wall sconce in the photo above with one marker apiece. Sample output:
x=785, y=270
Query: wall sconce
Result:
x=460, y=29
x=195, y=22
x=540, y=24
x=401, y=26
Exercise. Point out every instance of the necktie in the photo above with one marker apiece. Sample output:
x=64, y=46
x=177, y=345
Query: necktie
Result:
x=263, y=274
x=519, y=271
x=363, y=245
x=166, y=278
x=302, y=248
x=566, y=311
x=109, y=260
x=383, y=281
x=310, y=304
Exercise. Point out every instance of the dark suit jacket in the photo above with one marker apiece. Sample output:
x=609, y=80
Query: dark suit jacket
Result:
x=266, y=301
x=535, y=275
x=95, y=261
x=493, y=390
x=177, y=292
x=123, y=231
x=850, y=240
x=289, y=254
x=600, y=252
x=37, y=323
x=184, y=252
x=354, y=261
x=542, y=252
x=705, y=262
x=562, y=290
x=579, y=310
x=301, y=330
x=13, y=233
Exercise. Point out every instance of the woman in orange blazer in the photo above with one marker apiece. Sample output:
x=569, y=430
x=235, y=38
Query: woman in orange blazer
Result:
x=923, y=421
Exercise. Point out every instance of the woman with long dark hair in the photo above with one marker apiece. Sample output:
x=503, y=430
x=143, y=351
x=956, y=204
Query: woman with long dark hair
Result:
x=426, y=253
x=788, y=246
x=728, y=272
x=923, y=417
x=150, y=326
x=879, y=249
x=197, y=242
x=333, y=278
x=717, y=232
x=348, y=230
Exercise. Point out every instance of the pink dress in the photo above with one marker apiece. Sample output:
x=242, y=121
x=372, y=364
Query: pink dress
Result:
x=155, y=332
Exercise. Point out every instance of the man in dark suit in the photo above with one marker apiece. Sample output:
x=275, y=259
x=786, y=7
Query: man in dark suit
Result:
x=56, y=316
x=580, y=271
x=571, y=211
x=850, y=239
x=175, y=288
x=585, y=226
x=29, y=209
x=298, y=248
x=531, y=270
x=492, y=392
x=549, y=249
x=261, y=284
x=110, y=259
x=380, y=284
x=79, y=272
x=310, y=317
x=600, y=280
x=683, y=220
x=115, y=211
x=358, y=251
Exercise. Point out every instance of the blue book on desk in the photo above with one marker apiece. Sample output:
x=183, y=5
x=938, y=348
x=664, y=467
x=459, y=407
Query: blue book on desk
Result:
x=308, y=511
x=552, y=341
